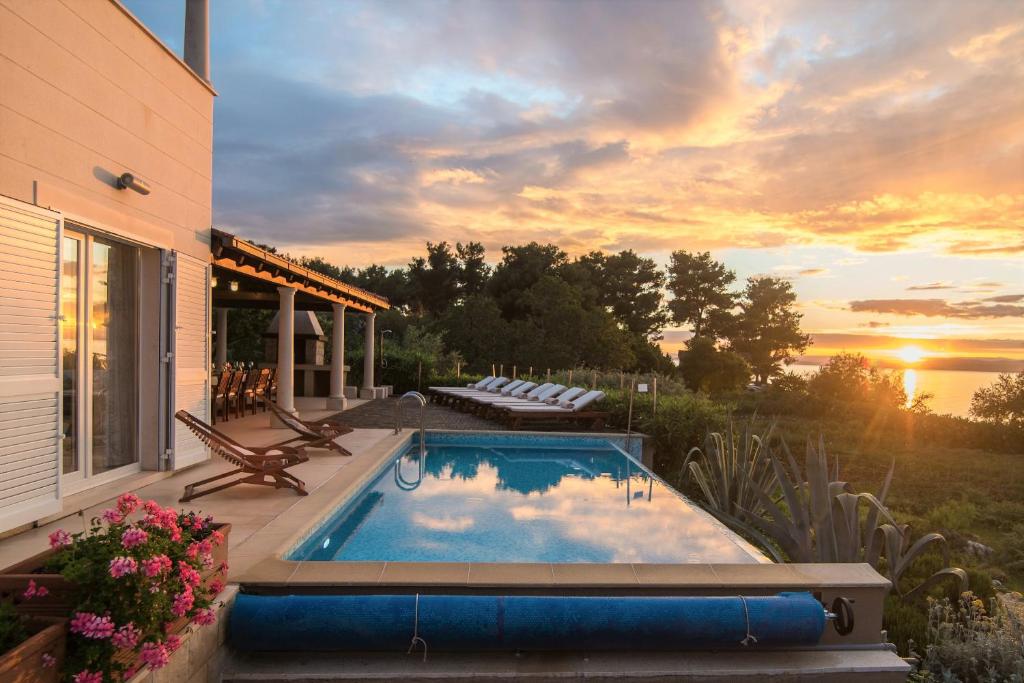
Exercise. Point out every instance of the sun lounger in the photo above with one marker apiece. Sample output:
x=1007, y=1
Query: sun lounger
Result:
x=482, y=384
x=574, y=410
x=507, y=392
x=312, y=434
x=452, y=394
x=262, y=466
x=532, y=399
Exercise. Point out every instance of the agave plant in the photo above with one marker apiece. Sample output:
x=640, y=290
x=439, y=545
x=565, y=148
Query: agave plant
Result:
x=731, y=469
x=810, y=515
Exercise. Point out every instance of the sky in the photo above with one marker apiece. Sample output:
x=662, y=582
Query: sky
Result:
x=873, y=153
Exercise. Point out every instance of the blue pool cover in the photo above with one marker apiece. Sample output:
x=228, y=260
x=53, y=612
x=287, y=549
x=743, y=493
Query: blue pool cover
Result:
x=388, y=623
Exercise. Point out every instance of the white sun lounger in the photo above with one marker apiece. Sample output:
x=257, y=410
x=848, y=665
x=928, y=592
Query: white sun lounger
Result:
x=571, y=405
x=532, y=399
x=515, y=393
x=492, y=386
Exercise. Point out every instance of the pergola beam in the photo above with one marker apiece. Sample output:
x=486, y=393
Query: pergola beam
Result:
x=281, y=281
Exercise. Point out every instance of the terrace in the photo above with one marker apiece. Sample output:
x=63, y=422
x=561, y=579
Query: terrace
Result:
x=268, y=525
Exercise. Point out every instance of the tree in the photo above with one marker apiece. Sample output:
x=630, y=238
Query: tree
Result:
x=767, y=330
x=434, y=281
x=520, y=269
x=700, y=287
x=629, y=287
x=706, y=368
x=476, y=329
x=392, y=283
x=1002, y=402
x=473, y=270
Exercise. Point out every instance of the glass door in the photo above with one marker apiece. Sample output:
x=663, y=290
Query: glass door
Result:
x=100, y=341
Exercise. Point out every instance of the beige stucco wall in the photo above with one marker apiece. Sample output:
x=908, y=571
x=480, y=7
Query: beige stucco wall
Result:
x=86, y=93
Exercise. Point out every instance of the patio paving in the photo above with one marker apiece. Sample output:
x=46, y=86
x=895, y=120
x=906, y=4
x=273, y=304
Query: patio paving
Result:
x=248, y=508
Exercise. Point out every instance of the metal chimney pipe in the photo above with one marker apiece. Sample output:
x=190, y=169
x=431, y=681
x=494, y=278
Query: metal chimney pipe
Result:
x=197, y=37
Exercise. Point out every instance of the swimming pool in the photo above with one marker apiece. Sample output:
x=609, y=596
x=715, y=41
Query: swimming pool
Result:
x=498, y=497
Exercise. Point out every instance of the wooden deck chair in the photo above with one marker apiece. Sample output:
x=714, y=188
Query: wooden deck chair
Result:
x=262, y=466
x=313, y=434
x=220, y=393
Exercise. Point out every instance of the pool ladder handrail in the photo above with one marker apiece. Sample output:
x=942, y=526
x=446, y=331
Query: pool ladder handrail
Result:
x=398, y=416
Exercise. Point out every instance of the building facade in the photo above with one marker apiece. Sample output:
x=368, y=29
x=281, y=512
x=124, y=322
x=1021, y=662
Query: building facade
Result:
x=106, y=149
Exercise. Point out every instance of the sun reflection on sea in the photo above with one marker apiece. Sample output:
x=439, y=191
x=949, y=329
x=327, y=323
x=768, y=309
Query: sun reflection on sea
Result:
x=910, y=385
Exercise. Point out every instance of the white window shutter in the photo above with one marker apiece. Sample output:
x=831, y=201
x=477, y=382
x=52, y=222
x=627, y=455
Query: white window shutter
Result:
x=191, y=357
x=30, y=363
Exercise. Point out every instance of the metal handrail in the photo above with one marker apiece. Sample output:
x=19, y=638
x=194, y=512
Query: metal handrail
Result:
x=398, y=417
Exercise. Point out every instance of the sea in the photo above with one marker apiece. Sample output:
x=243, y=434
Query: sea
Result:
x=951, y=390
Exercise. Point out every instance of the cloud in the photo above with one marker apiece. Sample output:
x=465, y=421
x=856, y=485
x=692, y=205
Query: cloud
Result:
x=938, y=308
x=1006, y=298
x=647, y=124
x=873, y=324
x=931, y=285
x=813, y=272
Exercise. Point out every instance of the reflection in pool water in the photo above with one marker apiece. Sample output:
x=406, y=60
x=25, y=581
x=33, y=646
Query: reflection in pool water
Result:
x=510, y=503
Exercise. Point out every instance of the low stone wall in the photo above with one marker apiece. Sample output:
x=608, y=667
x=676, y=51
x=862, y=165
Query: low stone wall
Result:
x=200, y=658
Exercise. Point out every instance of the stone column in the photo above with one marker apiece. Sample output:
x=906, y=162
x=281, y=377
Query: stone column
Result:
x=336, y=401
x=368, y=359
x=286, y=353
x=221, y=356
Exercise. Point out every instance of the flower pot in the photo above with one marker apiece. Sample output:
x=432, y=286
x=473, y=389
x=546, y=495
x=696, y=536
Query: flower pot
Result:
x=58, y=602
x=24, y=663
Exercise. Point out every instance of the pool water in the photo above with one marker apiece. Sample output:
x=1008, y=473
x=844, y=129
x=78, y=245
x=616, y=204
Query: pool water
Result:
x=508, y=498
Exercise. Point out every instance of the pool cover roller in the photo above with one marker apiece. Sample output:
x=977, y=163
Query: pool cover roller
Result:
x=393, y=623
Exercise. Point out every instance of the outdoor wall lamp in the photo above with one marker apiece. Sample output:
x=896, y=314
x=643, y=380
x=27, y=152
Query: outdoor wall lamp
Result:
x=213, y=281
x=233, y=285
x=127, y=181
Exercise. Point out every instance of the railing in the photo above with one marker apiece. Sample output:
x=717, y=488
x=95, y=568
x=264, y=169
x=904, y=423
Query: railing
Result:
x=398, y=417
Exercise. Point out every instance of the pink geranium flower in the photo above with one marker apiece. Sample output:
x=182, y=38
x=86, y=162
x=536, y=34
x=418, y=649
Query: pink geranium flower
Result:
x=215, y=587
x=183, y=602
x=173, y=643
x=156, y=565
x=85, y=676
x=48, y=660
x=34, y=591
x=126, y=637
x=128, y=503
x=154, y=655
x=133, y=537
x=189, y=575
x=112, y=516
x=204, y=617
x=91, y=625
x=123, y=566
x=60, y=539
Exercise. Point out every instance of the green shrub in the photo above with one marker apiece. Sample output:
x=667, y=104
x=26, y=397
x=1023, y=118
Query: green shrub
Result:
x=12, y=627
x=906, y=624
x=966, y=642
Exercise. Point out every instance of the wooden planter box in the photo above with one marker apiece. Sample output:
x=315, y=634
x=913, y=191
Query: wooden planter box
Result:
x=24, y=663
x=14, y=580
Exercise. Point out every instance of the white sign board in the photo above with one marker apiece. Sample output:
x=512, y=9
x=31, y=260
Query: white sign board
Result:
x=641, y=388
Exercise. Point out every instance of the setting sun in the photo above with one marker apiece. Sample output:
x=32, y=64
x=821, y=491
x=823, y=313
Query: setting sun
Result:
x=910, y=354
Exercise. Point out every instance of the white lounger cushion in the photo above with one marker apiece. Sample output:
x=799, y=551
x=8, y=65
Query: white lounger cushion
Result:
x=509, y=388
x=565, y=396
x=517, y=395
x=570, y=407
x=496, y=382
x=533, y=400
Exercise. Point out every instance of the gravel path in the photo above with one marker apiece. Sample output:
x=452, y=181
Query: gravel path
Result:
x=380, y=414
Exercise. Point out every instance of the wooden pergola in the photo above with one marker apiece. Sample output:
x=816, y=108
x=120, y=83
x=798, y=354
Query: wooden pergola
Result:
x=248, y=276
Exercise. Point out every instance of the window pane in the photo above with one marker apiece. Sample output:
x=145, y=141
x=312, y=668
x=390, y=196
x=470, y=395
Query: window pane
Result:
x=114, y=323
x=69, y=288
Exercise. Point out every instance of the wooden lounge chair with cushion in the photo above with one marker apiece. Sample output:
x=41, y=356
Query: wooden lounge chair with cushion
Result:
x=263, y=466
x=575, y=409
x=313, y=434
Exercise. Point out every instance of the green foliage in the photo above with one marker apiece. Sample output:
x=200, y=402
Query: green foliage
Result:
x=412, y=359
x=905, y=624
x=681, y=419
x=711, y=370
x=1001, y=403
x=434, y=281
x=629, y=287
x=848, y=382
x=13, y=630
x=730, y=470
x=520, y=269
x=700, y=287
x=767, y=330
x=810, y=515
x=967, y=642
